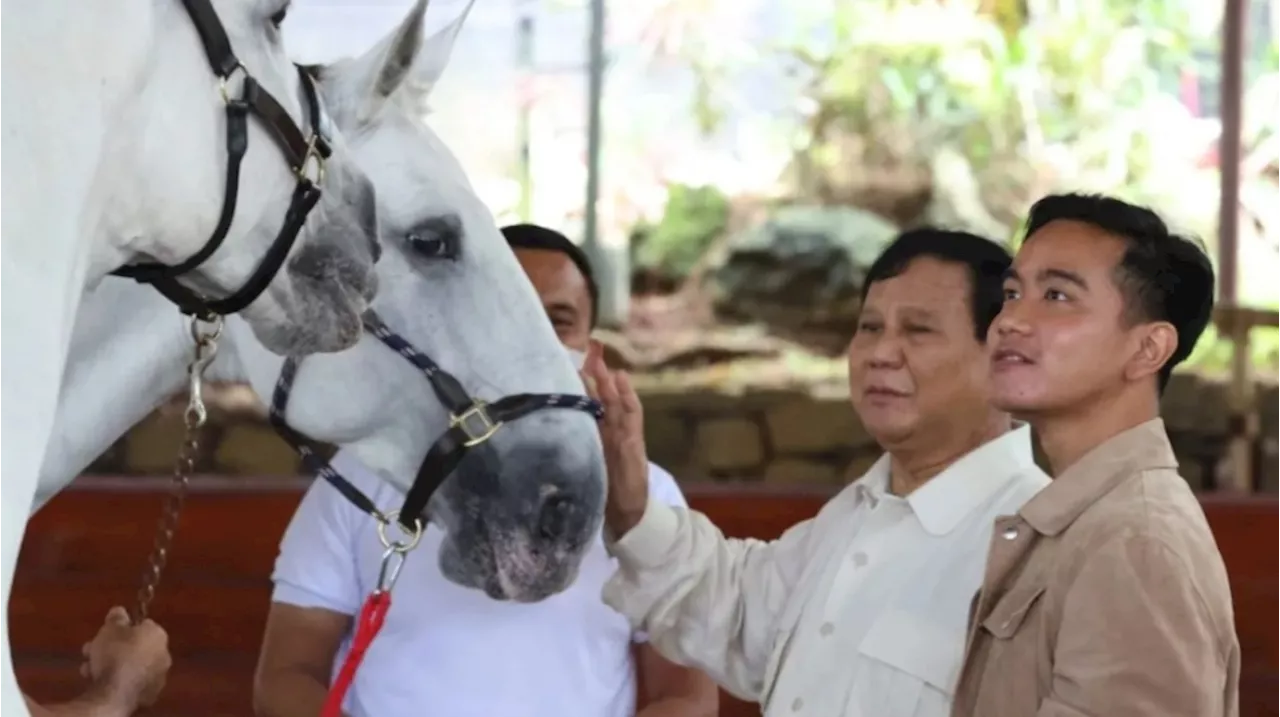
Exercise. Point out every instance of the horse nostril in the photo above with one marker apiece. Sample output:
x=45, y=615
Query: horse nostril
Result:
x=554, y=516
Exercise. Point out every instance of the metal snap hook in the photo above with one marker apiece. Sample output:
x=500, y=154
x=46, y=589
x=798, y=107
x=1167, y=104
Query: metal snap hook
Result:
x=389, y=571
x=206, y=342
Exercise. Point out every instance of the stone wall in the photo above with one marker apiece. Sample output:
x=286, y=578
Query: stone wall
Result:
x=815, y=437
x=787, y=436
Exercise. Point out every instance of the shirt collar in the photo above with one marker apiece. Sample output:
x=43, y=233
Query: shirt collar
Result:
x=944, y=501
x=874, y=484
x=1143, y=447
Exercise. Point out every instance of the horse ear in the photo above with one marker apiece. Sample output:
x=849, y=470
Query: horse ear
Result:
x=358, y=88
x=434, y=57
x=399, y=52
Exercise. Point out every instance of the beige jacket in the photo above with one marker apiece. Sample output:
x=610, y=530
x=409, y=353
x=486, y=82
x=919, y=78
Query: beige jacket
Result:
x=1104, y=596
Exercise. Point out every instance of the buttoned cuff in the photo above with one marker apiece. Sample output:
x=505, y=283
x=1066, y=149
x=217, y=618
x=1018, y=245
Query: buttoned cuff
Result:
x=648, y=541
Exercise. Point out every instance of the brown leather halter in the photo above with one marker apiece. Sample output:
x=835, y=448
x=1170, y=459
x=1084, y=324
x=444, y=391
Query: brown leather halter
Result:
x=299, y=149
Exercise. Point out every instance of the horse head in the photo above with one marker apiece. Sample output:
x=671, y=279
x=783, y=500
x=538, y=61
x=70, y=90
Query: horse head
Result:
x=217, y=76
x=521, y=510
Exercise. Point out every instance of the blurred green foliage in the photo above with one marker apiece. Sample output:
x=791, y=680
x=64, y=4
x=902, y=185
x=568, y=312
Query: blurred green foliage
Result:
x=1035, y=96
x=1076, y=93
x=693, y=218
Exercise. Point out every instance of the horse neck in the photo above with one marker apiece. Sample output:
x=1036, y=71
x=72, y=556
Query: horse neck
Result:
x=129, y=354
x=100, y=50
x=68, y=68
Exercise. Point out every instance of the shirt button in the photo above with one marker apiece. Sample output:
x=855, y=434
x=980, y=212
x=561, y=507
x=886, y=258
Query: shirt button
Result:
x=1009, y=533
x=796, y=704
x=859, y=558
x=826, y=629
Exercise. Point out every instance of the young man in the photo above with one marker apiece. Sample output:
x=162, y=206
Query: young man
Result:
x=459, y=653
x=1105, y=594
x=861, y=610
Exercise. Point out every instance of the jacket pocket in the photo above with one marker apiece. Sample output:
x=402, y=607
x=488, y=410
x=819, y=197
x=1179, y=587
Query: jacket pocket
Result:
x=1007, y=616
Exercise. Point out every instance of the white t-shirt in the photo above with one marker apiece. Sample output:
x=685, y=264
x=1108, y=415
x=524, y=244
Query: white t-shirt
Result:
x=447, y=650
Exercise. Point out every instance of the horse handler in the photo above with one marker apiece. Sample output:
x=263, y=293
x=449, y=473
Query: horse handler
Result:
x=126, y=665
x=446, y=650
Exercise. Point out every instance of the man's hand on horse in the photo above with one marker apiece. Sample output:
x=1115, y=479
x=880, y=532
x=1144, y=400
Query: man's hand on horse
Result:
x=622, y=436
x=128, y=662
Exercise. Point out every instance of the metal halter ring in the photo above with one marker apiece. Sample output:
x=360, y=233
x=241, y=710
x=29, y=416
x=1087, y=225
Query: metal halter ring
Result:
x=483, y=432
x=202, y=337
x=399, y=546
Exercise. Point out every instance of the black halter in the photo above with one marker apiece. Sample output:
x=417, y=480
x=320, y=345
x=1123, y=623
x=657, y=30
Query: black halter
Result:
x=471, y=423
x=298, y=148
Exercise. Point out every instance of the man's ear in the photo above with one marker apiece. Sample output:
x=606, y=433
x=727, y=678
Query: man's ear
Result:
x=1156, y=344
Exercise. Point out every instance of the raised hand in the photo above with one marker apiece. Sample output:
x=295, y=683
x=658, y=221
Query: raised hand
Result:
x=622, y=434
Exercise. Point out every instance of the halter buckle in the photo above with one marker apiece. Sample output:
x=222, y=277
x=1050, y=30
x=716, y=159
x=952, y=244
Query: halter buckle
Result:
x=224, y=82
x=317, y=151
x=476, y=423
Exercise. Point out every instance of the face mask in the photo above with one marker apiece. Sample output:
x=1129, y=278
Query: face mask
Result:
x=578, y=358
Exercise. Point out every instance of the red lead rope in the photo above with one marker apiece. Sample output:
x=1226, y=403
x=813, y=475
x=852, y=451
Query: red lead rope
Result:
x=372, y=615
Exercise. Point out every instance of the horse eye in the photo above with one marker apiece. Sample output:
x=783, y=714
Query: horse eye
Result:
x=278, y=18
x=431, y=246
x=427, y=246
x=436, y=238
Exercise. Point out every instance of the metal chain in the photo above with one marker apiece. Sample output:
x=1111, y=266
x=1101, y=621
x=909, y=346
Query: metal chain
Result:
x=193, y=418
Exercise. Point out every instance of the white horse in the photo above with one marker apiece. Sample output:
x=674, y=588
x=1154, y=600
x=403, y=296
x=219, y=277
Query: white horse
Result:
x=472, y=310
x=119, y=141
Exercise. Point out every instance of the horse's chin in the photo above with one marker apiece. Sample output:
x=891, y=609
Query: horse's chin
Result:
x=472, y=564
x=315, y=301
x=310, y=308
x=321, y=320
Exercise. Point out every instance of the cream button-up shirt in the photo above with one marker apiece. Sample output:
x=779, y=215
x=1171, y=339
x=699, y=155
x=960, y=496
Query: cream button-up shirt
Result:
x=860, y=611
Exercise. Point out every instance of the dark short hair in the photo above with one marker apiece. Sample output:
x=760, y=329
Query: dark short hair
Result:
x=533, y=236
x=1163, y=276
x=984, y=260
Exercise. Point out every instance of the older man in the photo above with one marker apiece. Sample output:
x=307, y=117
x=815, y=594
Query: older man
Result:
x=861, y=610
x=457, y=653
x=1106, y=594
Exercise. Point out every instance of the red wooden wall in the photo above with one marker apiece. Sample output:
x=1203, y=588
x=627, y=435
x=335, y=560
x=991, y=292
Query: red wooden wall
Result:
x=85, y=551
